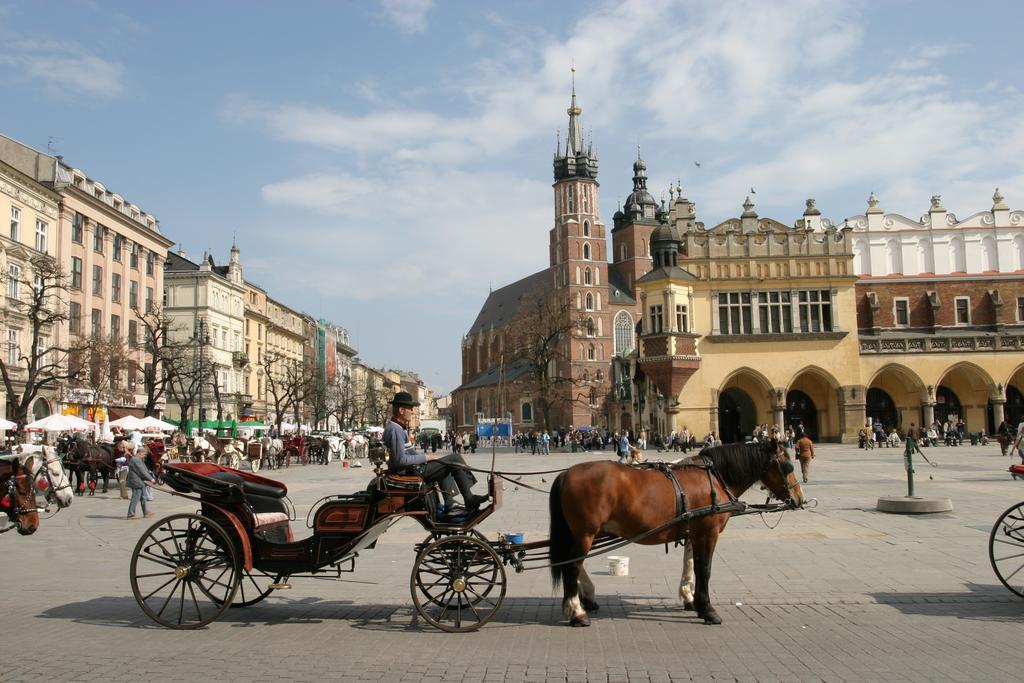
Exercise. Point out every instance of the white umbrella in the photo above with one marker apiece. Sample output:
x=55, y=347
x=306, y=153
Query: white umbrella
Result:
x=61, y=423
x=152, y=424
x=7, y=424
x=127, y=422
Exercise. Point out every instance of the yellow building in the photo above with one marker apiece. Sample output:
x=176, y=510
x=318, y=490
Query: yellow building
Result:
x=256, y=326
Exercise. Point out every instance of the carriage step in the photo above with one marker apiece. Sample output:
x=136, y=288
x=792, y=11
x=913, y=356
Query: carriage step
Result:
x=280, y=586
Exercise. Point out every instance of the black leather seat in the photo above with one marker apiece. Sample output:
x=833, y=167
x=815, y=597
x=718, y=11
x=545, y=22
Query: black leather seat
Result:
x=250, y=487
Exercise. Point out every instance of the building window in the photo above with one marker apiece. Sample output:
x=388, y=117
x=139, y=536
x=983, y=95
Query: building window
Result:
x=815, y=310
x=133, y=333
x=133, y=294
x=75, y=318
x=657, y=319
x=527, y=412
x=97, y=322
x=150, y=262
x=115, y=326
x=681, y=321
x=115, y=287
x=149, y=299
x=1020, y=309
x=586, y=276
x=591, y=353
x=586, y=227
x=590, y=327
x=76, y=272
x=41, y=228
x=734, y=313
x=133, y=256
x=118, y=246
x=13, y=280
x=77, y=228
x=901, y=312
x=623, y=333
x=97, y=281
x=775, y=312
x=97, y=238
x=586, y=251
x=15, y=223
x=12, y=347
x=589, y=301
x=593, y=396
x=963, y=310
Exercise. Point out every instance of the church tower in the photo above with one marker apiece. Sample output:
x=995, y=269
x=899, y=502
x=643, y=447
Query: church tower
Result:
x=631, y=232
x=579, y=265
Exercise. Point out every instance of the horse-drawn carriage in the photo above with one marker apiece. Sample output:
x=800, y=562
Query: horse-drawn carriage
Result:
x=240, y=546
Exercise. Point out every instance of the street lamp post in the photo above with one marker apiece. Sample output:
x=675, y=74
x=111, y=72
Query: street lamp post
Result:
x=201, y=340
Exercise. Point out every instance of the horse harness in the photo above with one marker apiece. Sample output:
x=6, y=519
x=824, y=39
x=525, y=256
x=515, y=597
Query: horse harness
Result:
x=683, y=516
x=10, y=502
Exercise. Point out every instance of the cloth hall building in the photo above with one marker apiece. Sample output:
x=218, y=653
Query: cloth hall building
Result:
x=717, y=329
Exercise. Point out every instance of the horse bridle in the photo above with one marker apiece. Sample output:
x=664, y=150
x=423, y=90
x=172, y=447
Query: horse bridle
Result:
x=15, y=510
x=49, y=480
x=774, y=455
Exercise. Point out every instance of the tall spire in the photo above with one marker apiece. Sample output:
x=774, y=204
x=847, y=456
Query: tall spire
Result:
x=574, y=141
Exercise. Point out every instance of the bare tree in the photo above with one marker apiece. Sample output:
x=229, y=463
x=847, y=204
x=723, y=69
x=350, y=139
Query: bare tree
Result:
x=540, y=343
x=377, y=404
x=182, y=378
x=285, y=384
x=32, y=365
x=162, y=345
x=105, y=359
x=340, y=403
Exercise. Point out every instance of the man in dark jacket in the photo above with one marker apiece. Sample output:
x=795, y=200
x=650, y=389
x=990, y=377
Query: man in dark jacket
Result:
x=405, y=459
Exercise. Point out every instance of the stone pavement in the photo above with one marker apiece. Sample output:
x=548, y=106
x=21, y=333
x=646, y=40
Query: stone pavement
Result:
x=837, y=593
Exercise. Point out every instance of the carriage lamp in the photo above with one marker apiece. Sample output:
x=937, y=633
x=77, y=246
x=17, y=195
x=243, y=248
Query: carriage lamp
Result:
x=42, y=484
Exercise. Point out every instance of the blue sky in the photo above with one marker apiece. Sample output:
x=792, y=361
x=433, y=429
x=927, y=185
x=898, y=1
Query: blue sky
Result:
x=384, y=163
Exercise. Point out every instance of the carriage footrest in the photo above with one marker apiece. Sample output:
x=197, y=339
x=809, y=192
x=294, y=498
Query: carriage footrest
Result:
x=280, y=586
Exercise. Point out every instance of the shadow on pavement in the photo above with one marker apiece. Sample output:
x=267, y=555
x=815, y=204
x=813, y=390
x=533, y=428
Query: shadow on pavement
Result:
x=978, y=602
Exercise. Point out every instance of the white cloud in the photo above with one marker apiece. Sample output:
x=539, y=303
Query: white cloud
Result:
x=410, y=16
x=63, y=70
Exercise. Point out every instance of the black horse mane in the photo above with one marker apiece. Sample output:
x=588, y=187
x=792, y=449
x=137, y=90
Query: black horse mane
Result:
x=739, y=464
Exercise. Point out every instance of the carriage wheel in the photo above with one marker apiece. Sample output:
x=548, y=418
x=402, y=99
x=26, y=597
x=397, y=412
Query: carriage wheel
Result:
x=452, y=582
x=255, y=464
x=433, y=593
x=184, y=571
x=1006, y=548
x=254, y=586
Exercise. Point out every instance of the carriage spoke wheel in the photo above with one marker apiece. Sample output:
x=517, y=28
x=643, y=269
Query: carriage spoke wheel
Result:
x=254, y=587
x=458, y=583
x=184, y=571
x=254, y=463
x=1006, y=548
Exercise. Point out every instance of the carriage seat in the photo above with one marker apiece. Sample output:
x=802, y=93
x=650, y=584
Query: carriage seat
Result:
x=262, y=519
x=405, y=482
x=250, y=487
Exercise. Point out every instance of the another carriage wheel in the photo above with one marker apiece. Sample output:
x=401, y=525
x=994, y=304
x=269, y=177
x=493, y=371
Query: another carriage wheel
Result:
x=453, y=581
x=254, y=463
x=185, y=571
x=434, y=593
x=1006, y=548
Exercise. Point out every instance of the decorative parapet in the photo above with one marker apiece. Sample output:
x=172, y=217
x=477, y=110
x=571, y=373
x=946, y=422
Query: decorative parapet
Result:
x=941, y=344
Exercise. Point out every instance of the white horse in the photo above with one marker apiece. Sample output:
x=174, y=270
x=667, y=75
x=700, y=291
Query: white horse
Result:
x=200, y=448
x=272, y=448
x=232, y=452
x=50, y=477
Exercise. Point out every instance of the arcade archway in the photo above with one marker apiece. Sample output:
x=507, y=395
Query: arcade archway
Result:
x=898, y=393
x=743, y=402
x=811, y=400
x=964, y=390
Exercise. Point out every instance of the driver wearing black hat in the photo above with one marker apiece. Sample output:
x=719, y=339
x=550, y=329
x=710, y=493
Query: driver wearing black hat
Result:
x=405, y=459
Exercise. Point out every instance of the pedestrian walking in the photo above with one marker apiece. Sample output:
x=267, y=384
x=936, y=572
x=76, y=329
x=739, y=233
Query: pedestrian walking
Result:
x=139, y=477
x=805, y=453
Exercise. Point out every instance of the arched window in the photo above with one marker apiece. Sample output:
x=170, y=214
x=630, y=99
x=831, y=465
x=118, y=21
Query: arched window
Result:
x=957, y=260
x=593, y=396
x=590, y=301
x=925, y=257
x=577, y=274
x=1018, y=247
x=988, y=253
x=894, y=257
x=597, y=276
x=622, y=252
x=590, y=327
x=591, y=353
x=861, y=258
x=586, y=375
x=479, y=403
x=586, y=276
x=526, y=410
x=586, y=251
x=465, y=409
x=586, y=226
x=623, y=333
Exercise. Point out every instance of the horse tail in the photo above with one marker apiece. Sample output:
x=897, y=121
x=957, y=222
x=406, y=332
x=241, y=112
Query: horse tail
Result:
x=560, y=537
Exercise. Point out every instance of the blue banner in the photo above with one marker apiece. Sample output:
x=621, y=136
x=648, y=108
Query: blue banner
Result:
x=490, y=429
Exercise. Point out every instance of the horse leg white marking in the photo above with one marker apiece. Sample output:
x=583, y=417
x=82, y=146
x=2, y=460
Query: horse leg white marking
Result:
x=688, y=580
x=586, y=585
x=573, y=608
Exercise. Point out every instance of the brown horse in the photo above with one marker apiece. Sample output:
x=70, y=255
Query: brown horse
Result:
x=17, y=494
x=607, y=498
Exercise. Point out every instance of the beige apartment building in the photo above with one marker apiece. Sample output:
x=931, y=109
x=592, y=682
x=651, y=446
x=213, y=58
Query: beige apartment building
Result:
x=33, y=212
x=285, y=342
x=256, y=331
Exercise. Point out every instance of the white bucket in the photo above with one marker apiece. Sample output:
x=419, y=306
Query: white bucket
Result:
x=618, y=566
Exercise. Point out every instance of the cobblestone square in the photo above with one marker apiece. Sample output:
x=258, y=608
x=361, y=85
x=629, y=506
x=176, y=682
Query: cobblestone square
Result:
x=840, y=592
